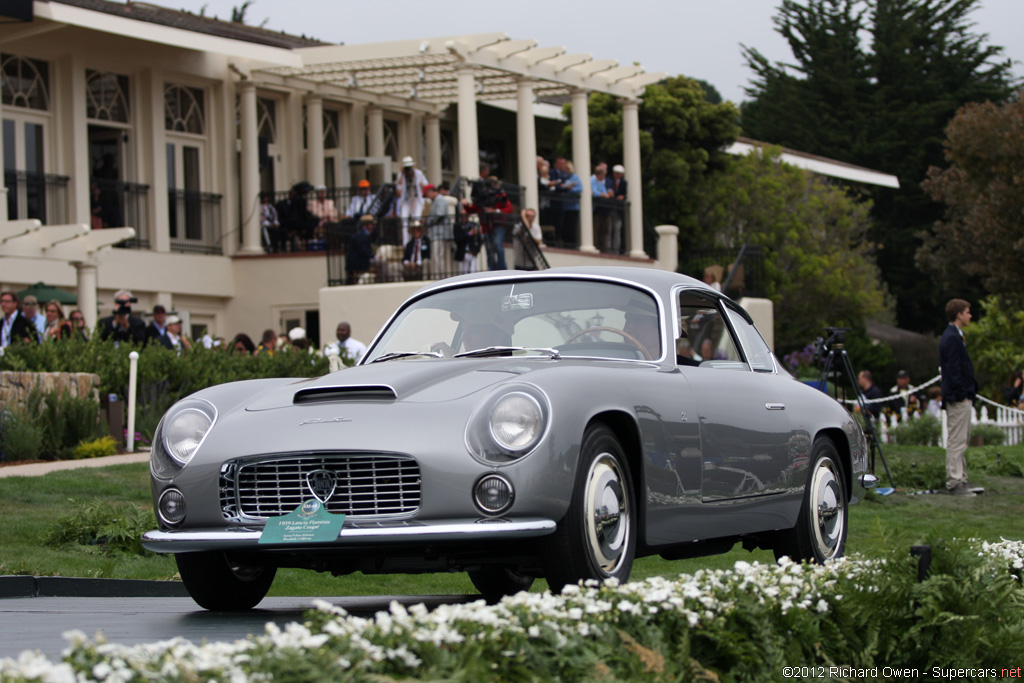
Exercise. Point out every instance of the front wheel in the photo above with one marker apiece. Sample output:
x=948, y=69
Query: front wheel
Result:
x=820, y=531
x=216, y=583
x=597, y=537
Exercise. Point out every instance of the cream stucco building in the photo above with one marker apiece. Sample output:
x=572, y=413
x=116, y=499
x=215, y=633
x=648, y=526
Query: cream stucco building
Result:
x=181, y=120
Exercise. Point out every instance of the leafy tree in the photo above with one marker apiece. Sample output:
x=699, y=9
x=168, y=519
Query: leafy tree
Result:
x=982, y=234
x=874, y=83
x=682, y=138
x=819, y=267
x=995, y=343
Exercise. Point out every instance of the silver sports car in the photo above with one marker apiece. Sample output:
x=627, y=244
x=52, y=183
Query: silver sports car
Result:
x=512, y=425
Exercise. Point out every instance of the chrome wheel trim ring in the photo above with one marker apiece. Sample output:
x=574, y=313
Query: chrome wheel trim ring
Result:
x=828, y=521
x=606, y=514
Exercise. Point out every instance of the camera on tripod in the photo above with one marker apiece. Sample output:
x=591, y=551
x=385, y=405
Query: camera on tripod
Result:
x=836, y=340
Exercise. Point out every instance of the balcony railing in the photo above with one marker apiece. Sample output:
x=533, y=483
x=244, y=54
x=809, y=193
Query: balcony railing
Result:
x=42, y=196
x=194, y=221
x=116, y=204
x=458, y=245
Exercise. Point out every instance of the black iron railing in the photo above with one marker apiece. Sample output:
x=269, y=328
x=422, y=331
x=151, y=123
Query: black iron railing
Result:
x=194, y=221
x=116, y=204
x=42, y=196
x=462, y=243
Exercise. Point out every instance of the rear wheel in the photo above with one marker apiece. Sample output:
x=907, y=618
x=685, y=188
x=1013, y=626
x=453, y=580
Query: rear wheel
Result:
x=820, y=531
x=216, y=583
x=495, y=583
x=597, y=537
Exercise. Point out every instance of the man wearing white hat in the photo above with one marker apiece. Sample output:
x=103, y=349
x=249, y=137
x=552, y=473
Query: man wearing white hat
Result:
x=410, y=194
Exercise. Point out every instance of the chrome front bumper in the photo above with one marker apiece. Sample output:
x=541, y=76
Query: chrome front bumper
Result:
x=355, y=533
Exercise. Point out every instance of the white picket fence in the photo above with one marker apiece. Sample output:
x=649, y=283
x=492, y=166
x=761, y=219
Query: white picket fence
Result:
x=1009, y=420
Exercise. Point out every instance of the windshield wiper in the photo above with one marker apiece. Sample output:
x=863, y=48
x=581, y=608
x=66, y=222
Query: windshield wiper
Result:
x=407, y=354
x=500, y=350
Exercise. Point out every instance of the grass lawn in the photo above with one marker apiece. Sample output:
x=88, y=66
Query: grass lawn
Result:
x=31, y=506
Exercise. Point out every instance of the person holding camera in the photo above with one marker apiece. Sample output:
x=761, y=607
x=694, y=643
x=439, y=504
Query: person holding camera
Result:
x=123, y=326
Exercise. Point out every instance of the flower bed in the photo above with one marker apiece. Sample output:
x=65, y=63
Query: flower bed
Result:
x=748, y=623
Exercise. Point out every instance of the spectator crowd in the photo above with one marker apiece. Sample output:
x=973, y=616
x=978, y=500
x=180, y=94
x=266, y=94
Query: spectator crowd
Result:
x=417, y=228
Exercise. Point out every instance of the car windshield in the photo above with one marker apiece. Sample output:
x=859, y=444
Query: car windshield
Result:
x=573, y=317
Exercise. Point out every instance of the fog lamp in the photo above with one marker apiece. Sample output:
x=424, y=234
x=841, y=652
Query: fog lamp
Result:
x=171, y=507
x=493, y=494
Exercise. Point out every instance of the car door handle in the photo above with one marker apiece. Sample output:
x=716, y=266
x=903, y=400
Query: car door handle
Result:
x=775, y=406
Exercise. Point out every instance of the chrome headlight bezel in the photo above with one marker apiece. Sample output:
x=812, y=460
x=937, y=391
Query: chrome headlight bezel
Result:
x=509, y=424
x=181, y=439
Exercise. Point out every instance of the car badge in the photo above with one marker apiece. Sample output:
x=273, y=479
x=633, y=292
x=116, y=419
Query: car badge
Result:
x=321, y=484
x=324, y=420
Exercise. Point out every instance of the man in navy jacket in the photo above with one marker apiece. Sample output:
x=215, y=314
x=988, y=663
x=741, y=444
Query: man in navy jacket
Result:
x=958, y=390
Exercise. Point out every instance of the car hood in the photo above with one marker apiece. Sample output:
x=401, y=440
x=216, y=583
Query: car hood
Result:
x=404, y=380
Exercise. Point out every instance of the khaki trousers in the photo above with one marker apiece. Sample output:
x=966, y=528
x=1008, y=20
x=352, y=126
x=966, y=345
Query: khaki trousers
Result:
x=958, y=421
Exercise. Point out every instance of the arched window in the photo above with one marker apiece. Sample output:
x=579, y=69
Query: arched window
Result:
x=184, y=109
x=266, y=118
x=26, y=82
x=106, y=95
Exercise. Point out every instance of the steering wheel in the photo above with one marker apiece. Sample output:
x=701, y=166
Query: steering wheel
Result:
x=622, y=333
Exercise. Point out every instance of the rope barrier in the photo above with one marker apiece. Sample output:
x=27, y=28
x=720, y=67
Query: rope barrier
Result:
x=902, y=394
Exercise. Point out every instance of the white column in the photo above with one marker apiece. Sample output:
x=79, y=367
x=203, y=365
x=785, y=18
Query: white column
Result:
x=526, y=143
x=435, y=173
x=3, y=185
x=315, y=139
x=153, y=140
x=469, y=140
x=85, y=272
x=375, y=134
x=581, y=160
x=75, y=147
x=668, y=246
x=631, y=160
x=250, y=169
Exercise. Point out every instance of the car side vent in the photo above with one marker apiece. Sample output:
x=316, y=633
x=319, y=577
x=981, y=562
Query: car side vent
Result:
x=332, y=394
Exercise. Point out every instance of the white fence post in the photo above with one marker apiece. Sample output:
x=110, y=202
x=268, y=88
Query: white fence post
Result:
x=133, y=375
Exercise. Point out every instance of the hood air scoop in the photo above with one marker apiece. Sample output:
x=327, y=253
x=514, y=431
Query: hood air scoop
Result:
x=344, y=393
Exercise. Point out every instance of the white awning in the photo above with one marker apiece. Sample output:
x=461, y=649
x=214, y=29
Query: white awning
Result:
x=74, y=242
x=821, y=165
x=425, y=69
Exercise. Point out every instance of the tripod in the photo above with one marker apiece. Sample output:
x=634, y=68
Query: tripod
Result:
x=835, y=348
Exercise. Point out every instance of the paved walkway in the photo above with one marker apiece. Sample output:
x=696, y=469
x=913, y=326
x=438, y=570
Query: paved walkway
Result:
x=37, y=469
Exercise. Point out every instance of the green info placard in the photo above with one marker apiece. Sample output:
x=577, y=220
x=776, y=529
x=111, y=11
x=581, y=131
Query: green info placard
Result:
x=308, y=523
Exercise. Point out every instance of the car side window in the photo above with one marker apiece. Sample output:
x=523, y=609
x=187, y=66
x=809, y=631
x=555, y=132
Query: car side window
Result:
x=759, y=356
x=704, y=338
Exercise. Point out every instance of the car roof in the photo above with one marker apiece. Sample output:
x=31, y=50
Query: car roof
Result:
x=662, y=281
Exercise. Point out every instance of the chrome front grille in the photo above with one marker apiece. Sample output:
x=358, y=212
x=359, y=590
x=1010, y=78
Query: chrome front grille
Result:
x=368, y=485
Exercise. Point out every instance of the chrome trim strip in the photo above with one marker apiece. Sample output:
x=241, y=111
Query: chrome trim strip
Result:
x=775, y=406
x=238, y=538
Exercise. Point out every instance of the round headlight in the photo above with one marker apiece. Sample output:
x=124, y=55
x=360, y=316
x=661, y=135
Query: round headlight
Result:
x=517, y=421
x=184, y=432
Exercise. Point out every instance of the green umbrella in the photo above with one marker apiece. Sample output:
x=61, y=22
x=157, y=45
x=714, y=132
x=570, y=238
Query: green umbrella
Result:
x=44, y=292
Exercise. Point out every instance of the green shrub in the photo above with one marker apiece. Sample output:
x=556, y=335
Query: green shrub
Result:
x=920, y=470
x=164, y=376
x=112, y=528
x=989, y=435
x=49, y=426
x=20, y=438
x=923, y=430
x=97, y=448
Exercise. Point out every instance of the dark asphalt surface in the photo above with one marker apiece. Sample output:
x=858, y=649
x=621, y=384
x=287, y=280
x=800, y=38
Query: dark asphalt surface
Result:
x=37, y=623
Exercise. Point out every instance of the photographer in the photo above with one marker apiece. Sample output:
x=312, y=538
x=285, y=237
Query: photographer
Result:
x=493, y=205
x=123, y=326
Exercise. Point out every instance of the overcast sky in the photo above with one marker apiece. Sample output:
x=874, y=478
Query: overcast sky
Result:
x=697, y=38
